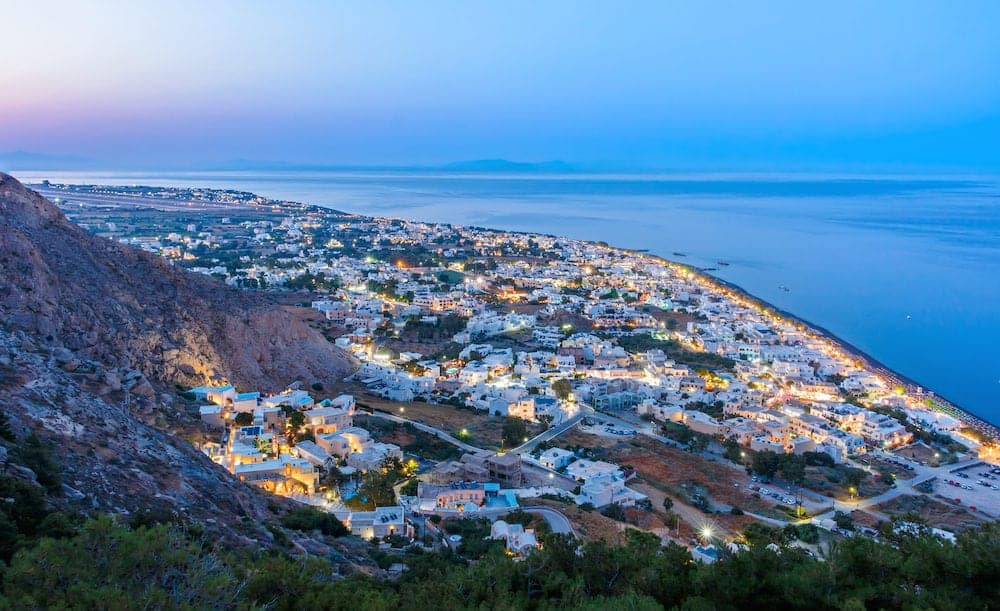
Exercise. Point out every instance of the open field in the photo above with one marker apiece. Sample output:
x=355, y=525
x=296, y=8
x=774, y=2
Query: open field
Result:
x=472, y=427
x=666, y=466
x=834, y=482
x=899, y=472
x=934, y=511
x=590, y=525
x=917, y=451
x=410, y=439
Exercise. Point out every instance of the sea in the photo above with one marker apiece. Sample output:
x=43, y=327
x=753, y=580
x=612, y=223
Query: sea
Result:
x=905, y=268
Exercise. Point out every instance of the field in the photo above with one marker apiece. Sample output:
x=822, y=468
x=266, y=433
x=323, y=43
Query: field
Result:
x=410, y=439
x=590, y=525
x=834, y=482
x=919, y=452
x=669, y=467
x=474, y=428
x=663, y=471
x=931, y=510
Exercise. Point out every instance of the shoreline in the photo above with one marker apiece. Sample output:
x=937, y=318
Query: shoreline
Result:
x=990, y=430
x=940, y=403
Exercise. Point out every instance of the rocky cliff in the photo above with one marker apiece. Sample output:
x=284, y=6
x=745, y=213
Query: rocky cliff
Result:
x=84, y=319
x=132, y=310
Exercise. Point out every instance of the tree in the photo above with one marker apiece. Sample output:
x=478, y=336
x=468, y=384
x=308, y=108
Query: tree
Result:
x=333, y=477
x=5, y=431
x=733, y=451
x=843, y=520
x=309, y=518
x=35, y=454
x=514, y=433
x=108, y=565
x=766, y=463
x=294, y=422
x=243, y=419
x=854, y=476
x=562, y=387
x=819, y=458
x=793, y=468
x=698, y=443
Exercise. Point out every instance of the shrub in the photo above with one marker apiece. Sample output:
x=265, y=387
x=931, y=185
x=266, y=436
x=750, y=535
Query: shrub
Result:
x=614, y=511
x=307, y=519
x=35, y=454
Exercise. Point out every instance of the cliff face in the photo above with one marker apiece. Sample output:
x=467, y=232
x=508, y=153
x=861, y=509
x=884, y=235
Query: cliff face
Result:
x=132, y=310
x=83, y=318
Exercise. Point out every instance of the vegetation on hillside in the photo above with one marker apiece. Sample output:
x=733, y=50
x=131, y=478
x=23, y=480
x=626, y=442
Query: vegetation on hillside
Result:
x=110, y=565
x=641, y=342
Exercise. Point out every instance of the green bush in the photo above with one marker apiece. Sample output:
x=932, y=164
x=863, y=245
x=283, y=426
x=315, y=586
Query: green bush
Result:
x=308, y=519
x=36, y=455
x=109, y=566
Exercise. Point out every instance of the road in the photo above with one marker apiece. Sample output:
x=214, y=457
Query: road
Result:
x=143, y=201
x=433, y=431
x=552, y=432
x=924, y=474
x=557, y=521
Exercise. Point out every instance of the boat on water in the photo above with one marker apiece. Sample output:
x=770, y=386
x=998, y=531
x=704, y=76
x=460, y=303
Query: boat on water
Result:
x=679, y=254
x=723, y=263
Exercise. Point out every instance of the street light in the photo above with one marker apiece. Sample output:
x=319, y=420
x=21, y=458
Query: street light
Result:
x=706, y=533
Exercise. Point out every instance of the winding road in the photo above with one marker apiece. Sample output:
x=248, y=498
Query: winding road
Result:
x=433, y=431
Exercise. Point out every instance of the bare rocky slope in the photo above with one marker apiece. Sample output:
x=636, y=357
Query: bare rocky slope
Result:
x=83, y=319
x=132, y=310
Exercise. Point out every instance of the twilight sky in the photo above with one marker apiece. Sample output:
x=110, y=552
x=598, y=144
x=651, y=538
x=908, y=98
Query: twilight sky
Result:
x=707, y=85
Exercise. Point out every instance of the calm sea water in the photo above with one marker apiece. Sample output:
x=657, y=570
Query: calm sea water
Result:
x=907, y=269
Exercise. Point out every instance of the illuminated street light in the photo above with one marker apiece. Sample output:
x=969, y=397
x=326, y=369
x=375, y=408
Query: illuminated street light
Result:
x=706, y=533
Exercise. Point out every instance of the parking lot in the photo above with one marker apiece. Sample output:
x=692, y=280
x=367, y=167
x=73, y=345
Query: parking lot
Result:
x=974, y=487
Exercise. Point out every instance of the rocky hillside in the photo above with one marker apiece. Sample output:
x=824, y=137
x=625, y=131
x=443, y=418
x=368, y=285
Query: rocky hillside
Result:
x=131, y=310
x=83, y=319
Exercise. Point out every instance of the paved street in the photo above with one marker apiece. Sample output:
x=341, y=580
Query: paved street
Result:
x=433, y=431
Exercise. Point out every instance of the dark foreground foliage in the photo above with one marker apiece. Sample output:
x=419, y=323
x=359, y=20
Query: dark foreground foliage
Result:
x=107, y=565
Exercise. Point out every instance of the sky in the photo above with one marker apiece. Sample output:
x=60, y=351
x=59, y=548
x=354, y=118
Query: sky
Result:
x=706, y=85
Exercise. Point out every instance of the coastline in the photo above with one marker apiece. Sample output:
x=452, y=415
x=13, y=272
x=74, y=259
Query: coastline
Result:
x=990, y=430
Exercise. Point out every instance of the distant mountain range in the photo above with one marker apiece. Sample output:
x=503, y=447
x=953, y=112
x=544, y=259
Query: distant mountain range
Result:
x=503, y=165
x=475, y=165
x=24, y=160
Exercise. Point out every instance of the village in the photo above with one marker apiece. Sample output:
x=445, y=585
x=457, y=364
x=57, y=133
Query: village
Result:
x=599, y=388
